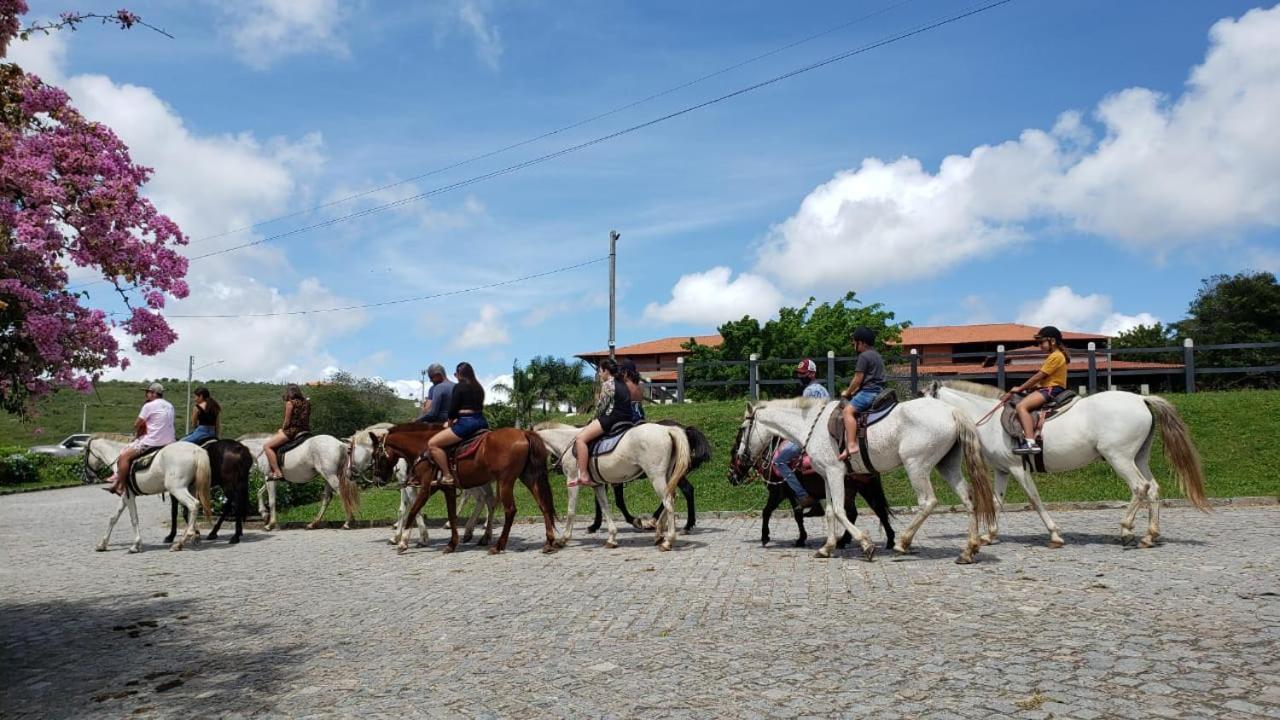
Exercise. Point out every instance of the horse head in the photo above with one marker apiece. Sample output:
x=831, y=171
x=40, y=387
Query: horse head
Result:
x=931, y=389
x=382, y=464
x=743, y=460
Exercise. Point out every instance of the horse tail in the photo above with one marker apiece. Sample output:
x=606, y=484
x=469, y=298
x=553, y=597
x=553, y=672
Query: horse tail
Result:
x=1180, y=451
x=535, y=470
x=984, y=503
x=348, y=490
x=204, y=483
x=680, y=461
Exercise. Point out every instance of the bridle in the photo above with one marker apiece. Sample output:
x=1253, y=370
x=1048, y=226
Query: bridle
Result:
x=743, y=465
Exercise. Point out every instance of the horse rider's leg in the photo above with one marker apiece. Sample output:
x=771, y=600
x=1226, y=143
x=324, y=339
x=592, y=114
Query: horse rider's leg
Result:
x=190, y=533
x=1000, y=487
x=850, y=430
x=1127, y=469
x=270, y=485
x=269, y=452
x=173, y=520
x=111, y=524
x=1143, y=462
x=1028, y=484
x=1025, y=407
x=927, y=499
x=436, y=446
x=771, y=504
x=602, y=502
x=835, y=504
x=507, y=495
x=326, y=496
x=451, y=507
x=571, y=504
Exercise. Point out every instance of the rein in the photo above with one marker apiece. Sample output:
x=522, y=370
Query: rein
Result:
x=999, y=404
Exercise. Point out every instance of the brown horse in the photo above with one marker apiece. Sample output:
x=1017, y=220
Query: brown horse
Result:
x=504, y=455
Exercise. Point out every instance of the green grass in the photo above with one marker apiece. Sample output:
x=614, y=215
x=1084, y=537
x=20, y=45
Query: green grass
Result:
x=1235, y=431
x=246, y=407
x=39, y=485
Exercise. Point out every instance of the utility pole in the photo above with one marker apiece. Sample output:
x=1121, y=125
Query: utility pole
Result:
x=423, y=399
x=191, y=364
x=84, y=416
x=613, y=287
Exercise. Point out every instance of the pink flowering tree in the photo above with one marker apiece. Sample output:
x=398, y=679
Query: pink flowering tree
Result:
x=70, y=196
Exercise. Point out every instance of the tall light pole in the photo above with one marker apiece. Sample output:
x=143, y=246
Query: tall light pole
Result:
x=191, y=369
x=613, y=287
x=423, y=399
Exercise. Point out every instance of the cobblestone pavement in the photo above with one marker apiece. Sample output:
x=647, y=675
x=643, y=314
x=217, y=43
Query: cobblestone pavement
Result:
x=333, y=623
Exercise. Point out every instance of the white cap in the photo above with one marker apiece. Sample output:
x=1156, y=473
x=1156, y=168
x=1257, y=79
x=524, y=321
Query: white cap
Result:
x=156, y=388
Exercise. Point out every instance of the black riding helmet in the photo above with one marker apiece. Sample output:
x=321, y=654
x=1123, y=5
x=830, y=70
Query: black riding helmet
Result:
x=1049, y=331
x=865, y=334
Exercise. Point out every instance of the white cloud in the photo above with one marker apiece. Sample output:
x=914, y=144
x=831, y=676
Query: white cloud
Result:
x=1161, y=173
x=492, y=395
x=488, y=41
x=264, y=31
x=1063, y=308
x=484, y=331
x=710, y=298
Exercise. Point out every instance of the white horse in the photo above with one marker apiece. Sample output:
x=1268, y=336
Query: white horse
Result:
x=1118, y=427
x=659, y=452
x=918, y=435
x=360, y=449
x=173, y=470
x=322, y=455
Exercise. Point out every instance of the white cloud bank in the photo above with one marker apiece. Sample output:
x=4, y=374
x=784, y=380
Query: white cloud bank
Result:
x=264, y=31
x=1152, y=172
x=1063, y=308
x=712, y=297
x=485, y=331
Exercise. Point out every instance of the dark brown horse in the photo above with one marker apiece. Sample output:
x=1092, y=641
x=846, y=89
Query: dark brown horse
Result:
x=229, y=464
x=504, y=455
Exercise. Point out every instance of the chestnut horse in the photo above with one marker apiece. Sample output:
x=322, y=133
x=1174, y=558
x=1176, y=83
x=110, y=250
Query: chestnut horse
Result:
x=504, y=455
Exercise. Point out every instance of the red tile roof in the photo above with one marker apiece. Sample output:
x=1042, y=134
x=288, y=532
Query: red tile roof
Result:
x=992, y=333
x=665, y=346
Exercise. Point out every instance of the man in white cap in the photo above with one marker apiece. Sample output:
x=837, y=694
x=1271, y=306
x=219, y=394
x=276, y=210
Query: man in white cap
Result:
x=152, y=428
x=436, y=407
x=807, y=378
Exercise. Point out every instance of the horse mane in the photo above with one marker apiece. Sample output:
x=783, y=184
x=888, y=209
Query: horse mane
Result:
x=552, y=425
x=974, y=388
x=116, y=437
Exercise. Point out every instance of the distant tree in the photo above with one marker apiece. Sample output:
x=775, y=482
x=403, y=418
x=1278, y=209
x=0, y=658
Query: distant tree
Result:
x=807, y=331
x=1147, y=336
x=545, y=385
x=1240, y=308
x=346, y=403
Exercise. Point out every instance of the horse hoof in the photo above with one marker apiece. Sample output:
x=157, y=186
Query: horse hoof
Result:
x=965, y=559
x=402, y=549
x=900, y=550
x=548, y=548
x=449, y=548
x=235, y=540
x=134, y=549
x=822, y=553
x=1126, y=540
x=346, y=526
x=1147, y=542
x=664, y=546
x=494, y=550
x=100, y=547
x=989, y=540
x=869, y=553
x=799, y=543
x=611, y=544
x=312, y=526
x=1055, y=544
x=420, y=543
x=175, y=547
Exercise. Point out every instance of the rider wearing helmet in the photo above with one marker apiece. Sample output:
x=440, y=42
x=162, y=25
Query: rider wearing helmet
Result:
x=868, y=382
x=1048, y=383
x=807, y=375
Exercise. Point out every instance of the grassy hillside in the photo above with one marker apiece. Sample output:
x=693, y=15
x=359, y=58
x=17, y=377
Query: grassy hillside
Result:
x=246, y=407
x=1235, y=431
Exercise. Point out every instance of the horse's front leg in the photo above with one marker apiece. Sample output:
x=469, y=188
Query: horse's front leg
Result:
x=771, y=504
x=451, y=505
x=569, y=512
x=132, y=502
x=602, y=502
x=1028, y=484
x=111, y=524
x=838, y=517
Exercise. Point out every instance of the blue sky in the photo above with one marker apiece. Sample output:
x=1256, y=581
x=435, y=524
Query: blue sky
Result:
x=1107, y=187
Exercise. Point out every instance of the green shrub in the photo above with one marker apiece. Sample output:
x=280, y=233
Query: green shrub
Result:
x=17, y=469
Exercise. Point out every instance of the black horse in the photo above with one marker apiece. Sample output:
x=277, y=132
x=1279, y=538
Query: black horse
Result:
x=229, y=464
x=699, y=453
x=868, y=486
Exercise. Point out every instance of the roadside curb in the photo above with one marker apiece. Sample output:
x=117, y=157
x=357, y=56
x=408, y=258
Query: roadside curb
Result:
x=19, y=491
x=1065, y=506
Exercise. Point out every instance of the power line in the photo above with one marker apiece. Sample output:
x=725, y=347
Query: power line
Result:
x=610, y=136
x=400, y=301
x=564, y=128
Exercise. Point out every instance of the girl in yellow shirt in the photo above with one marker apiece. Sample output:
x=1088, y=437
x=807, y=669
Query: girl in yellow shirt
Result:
x=1047, y=383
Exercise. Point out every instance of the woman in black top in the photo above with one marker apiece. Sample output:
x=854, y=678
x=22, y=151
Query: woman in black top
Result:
x=466, y=418
x=205, y=417
x=627, y=371
x=613, y=406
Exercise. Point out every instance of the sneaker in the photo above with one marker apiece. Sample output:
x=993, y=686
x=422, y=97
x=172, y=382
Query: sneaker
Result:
x=805, y=502
x=1032, y=447
x=1022, y=448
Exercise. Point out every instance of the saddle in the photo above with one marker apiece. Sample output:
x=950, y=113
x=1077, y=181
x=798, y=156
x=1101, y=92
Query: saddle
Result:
x=464, y=450
x=141, y=462
x=291, y=444
x=607, y=443
x=884, y=404
x=204, y=444
x=1050, y=410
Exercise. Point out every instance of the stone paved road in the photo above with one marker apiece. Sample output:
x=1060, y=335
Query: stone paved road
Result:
x=330, y=624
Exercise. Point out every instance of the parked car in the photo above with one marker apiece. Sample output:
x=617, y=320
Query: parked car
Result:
x=73, y=446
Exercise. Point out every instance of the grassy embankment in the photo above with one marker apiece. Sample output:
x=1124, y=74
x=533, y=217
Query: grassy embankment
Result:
x=1235, y=431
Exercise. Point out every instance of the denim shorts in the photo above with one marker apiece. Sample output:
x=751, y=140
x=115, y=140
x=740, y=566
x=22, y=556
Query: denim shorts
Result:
x=200, y=434
x=1050, y=393
x=467, y=425
x=862, y=400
